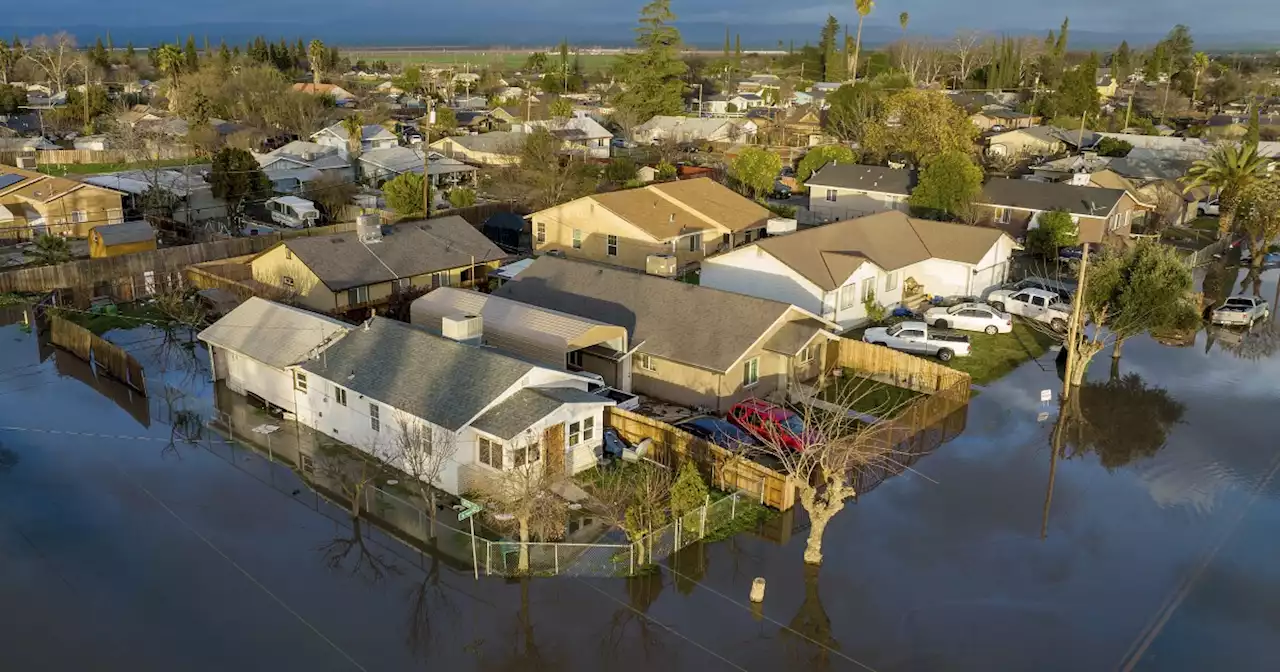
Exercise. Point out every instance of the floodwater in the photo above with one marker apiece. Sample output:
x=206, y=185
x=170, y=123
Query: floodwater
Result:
x=120, y=550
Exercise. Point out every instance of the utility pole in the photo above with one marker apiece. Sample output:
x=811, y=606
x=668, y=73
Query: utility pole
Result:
x=426, y=159
x=1080, y=142
x=1128, y=111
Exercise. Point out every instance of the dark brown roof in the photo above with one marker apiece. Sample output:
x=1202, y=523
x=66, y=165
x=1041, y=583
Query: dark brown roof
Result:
x=864, y=178
x=1028, y=195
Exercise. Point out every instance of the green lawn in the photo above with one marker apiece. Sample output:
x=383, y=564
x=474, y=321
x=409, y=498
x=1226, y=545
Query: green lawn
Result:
x=60, y=169
x=1204, y=224
x=993, y=357
x=868, y=396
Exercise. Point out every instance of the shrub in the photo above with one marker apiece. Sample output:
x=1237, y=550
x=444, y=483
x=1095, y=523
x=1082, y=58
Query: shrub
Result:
x=462, y=197
x=689, y=491
x=875, y=310
x=1054, y=231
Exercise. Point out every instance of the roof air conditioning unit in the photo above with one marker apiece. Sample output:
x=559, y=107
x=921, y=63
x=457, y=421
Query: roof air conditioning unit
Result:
x=777, y=226
x=28, y=162
x=660, y=264
x=463, y=328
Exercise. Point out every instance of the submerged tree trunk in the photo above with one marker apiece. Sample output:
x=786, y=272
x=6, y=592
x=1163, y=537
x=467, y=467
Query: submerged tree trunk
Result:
x=524, y=545
x=1085, y=351
x=1116, y=351
x=821, y=510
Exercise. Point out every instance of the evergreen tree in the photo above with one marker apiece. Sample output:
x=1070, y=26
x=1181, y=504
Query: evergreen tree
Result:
x=727, y=45
x=831, y=60
x=1060, y=47
x=129, y=51
x=1254, y=134
x=224, y=56
x=1122, y=62
x=190, y=55
x=208, y=52
x=654, y=74
x=111, y=46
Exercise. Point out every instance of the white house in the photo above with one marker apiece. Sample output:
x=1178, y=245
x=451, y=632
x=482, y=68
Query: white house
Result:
x=693, y=129
x=580, y=132
x=731, y=104
x=372, y=136
x=257, y=347
x=887, y=258
x=385, y=383
x=846, y=190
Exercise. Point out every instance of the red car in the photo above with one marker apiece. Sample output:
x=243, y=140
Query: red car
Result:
x=769, y=422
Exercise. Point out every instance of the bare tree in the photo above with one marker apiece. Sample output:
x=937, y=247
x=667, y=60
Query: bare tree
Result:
x=970, y=54
x=425, y=453
x=825, y=460
x=522, y=499
x=634, y=499
x=55, y=56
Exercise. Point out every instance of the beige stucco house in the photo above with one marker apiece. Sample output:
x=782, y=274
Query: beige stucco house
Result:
x=33, y=203
x=672, y=224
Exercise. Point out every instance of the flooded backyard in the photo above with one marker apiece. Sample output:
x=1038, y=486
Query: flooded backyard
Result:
x=124, y=546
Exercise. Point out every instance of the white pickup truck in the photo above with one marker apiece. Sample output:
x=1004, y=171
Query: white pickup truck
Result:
x=1241, y=311
x=1035, y=304
x=919, y=338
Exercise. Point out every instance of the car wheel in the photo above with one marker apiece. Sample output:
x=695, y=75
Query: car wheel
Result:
x=998, y=305
x=941, y=324
x=881, y=344
x=1058, y=324
x=945, y=354
x=991, y=330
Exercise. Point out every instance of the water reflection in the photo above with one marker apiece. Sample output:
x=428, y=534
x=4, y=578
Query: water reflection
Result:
x=525, y=652
x=810, y=636
x=352, y=552
x=642, y=591
x=1121, y=420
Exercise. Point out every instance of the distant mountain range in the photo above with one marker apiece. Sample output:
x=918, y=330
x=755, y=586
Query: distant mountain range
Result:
x=377, y=32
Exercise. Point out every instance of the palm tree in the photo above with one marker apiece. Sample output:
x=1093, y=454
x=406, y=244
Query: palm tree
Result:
x=315, y=54
x=170, y=59
x=354, y=126
x=1199, y=63
x=1229, y=170
x=864, y=8
x=903, y=19
x=49, y=249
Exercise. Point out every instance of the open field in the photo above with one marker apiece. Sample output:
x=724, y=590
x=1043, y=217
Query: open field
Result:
x=477, y=60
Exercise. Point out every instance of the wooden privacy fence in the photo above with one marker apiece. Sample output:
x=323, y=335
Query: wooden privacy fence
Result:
x=727, y=470
x=899, y=369
x=65, y=156
x=96, y=350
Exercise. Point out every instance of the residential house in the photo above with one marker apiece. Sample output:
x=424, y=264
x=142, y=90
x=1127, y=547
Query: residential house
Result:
x=356, y=272
x=759, y=82
x=300, y=161
x=696, y=346
x=193, y=199
x=803, y=127
x=341, y=97
x=1107, y=85
x=258, y=346
x=1235, y=126
x=469, y=102
x=1027, y=142
x=1014, y=206
x=539, y=335
x=888, y=259
x=112, y=240
x=498, y=148
x=691, y=129
x=671, y=224
x=825, y=87
x=380, y=165
x=93, y=143
x=998, y=119
x=387, y=383
x=847, y=190
x=581, y=135
x=372, y=136
x=799, y=98
x=37, y=203
x=730, y=104
x=25, y=145
x=477, y=121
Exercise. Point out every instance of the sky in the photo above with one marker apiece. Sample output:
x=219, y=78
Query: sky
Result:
x=607, y=21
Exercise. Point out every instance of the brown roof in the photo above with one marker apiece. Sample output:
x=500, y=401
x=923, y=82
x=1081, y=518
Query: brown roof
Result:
x=828, y=255
x=36, y=186
x=1109, y=179
x=671, y=209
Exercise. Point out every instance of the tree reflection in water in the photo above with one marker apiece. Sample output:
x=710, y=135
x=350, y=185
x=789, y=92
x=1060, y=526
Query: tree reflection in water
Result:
x=810, y=629
x=525, y=655
x=428, y=603
x=642, y=591
x=353, y=552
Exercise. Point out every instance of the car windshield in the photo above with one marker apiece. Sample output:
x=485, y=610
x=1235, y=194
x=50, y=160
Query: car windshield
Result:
x=793, y=424
x=955, y=309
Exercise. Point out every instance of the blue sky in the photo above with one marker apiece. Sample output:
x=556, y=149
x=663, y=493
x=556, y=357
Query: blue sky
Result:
x=498, y=21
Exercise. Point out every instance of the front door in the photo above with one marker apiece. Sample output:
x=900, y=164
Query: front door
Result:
x=553, y=442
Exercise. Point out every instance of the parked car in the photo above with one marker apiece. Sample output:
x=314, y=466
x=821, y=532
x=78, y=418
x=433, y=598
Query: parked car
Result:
x=970, y=317
x=780, y=191
x=1241, y=311
x=1064, y=289
x=769, y=423
x=1040, y=305
x=1209, y=208
x=921, y=339
x=720, y=432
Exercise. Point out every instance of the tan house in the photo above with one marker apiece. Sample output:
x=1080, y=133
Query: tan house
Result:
x=671, y=225
x=1015, y=205
x=1027, y=142
x=804, y=127
x=344, y=273
x=694, y=346
x=994, y=117
x=498, y=148
x=34, y=203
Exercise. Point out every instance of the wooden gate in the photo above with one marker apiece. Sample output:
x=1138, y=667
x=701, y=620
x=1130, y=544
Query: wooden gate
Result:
x=553, y=441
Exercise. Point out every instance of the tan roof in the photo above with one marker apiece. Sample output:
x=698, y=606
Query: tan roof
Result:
x=828, y=255
x=1108, y=179
x=671, y=209
x=319, y=89
x=36, y=186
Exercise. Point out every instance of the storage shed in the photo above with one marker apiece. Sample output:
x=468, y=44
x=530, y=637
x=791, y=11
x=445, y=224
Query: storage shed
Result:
x=112, y=240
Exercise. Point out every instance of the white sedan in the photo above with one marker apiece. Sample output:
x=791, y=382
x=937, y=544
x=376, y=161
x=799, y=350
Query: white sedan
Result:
x=970, y=317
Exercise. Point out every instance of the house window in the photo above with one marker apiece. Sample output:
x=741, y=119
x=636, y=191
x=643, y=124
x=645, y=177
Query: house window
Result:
x=340, y=395
x=357, y=295
x=581, y=431
x=751, y=372
x=491, y=453
x=848, y=296
x=891, y=282
x=577, y=239
x=645, y=362
x=868, y=290
x=525, y=455
x=588, y=428
x=402, y=285
x=1002, y=215
x=299, y=381
x=286, y=280
x=540, y=231
x=831, y=195
x=695, y=242
x=806, y=354
x=79, y=217
x=441, y=279
x=375, y=419
x=611, y=246
x=575, y=359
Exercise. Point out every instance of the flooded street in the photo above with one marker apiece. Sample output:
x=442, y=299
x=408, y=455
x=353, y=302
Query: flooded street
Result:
x=124, y=547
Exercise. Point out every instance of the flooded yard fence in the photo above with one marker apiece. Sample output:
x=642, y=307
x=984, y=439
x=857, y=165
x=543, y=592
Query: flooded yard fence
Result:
x=97, y=351
x=899, y=369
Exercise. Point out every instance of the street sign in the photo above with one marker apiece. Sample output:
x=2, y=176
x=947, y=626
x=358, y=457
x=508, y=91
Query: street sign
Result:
x=469, y=508
x=1046, y=396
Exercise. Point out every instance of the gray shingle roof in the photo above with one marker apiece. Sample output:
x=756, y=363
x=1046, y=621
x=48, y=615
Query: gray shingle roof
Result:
x=439, y=380
x=792, y=336
x=135, y=231
x=272, y=333
x=699, y=326
x=1083, y=201
x=341, y=261
x=516, y=413
x=865, y=178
